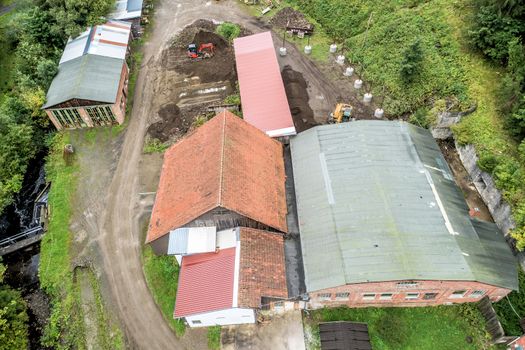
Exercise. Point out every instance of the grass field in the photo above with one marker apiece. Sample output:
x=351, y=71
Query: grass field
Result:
x=162, y=277
x=426, y=328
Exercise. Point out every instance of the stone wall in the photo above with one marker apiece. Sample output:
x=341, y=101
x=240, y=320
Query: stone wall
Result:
x=486, y=187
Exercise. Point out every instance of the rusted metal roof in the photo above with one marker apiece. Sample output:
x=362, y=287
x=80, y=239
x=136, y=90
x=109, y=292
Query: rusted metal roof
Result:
x=225, y=163
x=206, y=283
x=263, y=97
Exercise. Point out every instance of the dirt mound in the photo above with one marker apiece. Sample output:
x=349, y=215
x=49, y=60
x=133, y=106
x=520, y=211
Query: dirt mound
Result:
x=171, y=123
x=220, y=67
x=290, y=17
x=297, y=94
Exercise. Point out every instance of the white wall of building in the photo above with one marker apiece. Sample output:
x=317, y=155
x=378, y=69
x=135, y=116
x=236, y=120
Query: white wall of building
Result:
x=222, y=317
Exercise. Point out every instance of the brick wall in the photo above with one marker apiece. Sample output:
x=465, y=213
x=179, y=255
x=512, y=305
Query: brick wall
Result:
x=399, y=290
x=119, y=107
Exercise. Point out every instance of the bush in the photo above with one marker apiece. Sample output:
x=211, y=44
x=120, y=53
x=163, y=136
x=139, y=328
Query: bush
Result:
x=420, y=118
x=487, y=162
x=229, y=30
x=492, y=32
x=412, y=61
x=13, y=317
x=214, y=338
x=514, y=303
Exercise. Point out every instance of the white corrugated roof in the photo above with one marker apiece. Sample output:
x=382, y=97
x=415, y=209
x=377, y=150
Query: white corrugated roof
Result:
x=109, y=40
x=127, y=9
x=192, y=240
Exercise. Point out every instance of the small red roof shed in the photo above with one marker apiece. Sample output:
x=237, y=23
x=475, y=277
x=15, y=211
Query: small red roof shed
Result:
x=263, y=97
x=206, y=283
x=234, y=277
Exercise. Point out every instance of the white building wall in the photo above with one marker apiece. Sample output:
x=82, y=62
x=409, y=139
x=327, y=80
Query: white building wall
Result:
x=222, y=318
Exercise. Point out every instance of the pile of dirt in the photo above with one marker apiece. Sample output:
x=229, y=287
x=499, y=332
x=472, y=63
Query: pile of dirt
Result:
x=291, y=18
x=171, y=123
x=220, y=67
x=296, y=91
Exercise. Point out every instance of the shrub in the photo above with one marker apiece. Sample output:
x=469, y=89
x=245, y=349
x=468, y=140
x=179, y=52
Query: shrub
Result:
x=412, y=61
x=507, y=308
x=487, y=162
x=229, y=30
x=492, y=32
x=420, y=118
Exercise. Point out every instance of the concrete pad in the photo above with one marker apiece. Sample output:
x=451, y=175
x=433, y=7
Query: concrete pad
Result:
x=281, y=333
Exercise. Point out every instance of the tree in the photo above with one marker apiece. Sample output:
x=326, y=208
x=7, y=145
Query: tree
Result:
x=13, y=317
x=412, y=62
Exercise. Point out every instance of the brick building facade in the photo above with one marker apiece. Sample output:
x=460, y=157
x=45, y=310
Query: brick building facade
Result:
x=383, y=223
x=78, y=114
x=405, y=293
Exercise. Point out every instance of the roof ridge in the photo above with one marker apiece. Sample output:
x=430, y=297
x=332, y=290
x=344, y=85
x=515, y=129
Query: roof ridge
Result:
x=221, y=170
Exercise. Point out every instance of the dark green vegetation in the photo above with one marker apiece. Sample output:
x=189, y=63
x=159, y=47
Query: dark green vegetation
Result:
x=228, y=30
x=33, y=36
x=162, y=276
x=427, y=328
x=509, y=308
x=13, y=317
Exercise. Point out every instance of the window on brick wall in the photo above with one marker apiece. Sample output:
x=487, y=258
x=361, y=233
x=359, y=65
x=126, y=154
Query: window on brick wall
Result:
x=429, y=296
x=477, y=294
x=342, y=296
x=412, y=296
x=369, y=296
x=386, y=296
x=457, y=294
x=324, y=296
x=406, y=284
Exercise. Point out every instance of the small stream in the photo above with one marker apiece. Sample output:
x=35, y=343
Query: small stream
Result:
x=22, y=266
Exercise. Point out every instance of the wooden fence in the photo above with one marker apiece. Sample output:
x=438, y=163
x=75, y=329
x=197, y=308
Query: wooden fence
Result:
x=493, y=325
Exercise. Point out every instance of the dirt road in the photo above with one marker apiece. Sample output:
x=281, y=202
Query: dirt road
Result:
x=110, y=205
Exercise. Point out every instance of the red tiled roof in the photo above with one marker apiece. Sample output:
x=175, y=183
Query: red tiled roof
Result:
x=224, y=163
x=205, y=283
x=263, y=98
x=261, y=268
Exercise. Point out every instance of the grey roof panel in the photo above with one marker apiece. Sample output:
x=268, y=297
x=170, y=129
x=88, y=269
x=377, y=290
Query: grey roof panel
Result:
x=372, y=200
x=88, y=77
x=134, y=5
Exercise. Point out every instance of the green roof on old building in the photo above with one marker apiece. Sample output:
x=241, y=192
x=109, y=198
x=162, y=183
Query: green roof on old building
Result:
x=377, y=202
x=88, y=77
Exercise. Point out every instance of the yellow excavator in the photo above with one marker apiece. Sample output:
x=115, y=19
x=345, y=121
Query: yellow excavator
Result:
x=342, y=113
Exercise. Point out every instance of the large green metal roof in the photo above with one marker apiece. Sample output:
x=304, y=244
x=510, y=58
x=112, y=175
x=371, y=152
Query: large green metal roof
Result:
x=377, y=202
x=88, y=77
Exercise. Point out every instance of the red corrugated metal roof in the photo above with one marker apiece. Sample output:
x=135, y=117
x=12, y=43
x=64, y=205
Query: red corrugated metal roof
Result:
x=205, y=283
x=226, y=163
x=263, y=98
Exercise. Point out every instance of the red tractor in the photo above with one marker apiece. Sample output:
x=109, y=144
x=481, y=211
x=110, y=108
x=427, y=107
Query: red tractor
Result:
x=204, y=51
